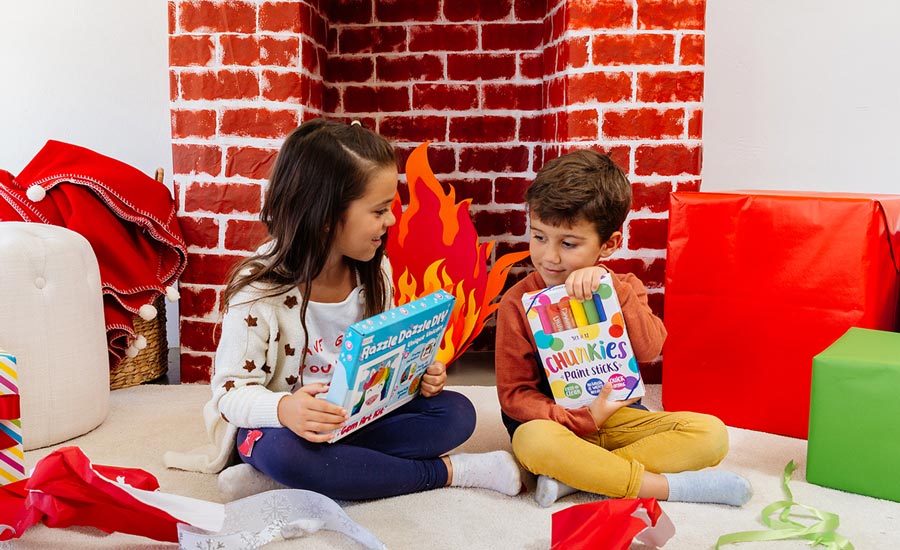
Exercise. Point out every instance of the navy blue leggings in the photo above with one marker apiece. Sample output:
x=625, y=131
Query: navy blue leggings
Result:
x=398, y=454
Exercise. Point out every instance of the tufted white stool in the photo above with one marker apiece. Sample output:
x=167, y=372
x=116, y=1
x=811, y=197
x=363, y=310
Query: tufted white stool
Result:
x=51, y=319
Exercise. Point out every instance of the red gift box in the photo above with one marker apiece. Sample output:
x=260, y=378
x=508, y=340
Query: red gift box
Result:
x=759, y=282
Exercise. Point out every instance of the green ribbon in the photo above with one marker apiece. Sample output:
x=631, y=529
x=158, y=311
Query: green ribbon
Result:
x=821, y=533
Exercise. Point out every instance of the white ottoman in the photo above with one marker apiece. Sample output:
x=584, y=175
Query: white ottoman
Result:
x=51, y=319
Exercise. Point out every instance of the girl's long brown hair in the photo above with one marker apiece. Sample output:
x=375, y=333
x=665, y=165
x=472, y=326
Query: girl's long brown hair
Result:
x=321, y=168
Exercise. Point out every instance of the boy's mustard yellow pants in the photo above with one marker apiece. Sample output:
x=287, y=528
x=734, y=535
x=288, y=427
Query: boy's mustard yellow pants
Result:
x=612, y=461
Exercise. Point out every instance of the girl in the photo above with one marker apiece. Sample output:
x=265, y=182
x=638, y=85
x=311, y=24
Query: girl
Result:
x=327, y=210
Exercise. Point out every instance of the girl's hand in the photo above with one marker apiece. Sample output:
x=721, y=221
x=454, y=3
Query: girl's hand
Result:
x=306, y=416
x=601, y=409
x=434, y=379
x=581, y=283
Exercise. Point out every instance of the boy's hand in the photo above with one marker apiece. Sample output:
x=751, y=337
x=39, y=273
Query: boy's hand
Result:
x=581, y=283
x=434, y=379
x=307, y=416
x=601, y=409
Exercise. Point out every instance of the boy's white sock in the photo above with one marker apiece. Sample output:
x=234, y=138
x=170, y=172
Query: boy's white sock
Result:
x=243, y=480
x=496, y=470
x=711, y=486
x=549, y=490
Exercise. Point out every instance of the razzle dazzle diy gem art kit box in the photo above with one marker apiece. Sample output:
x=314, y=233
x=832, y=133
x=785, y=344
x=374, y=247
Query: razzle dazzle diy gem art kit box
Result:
x=583, y=345
x=383, y=358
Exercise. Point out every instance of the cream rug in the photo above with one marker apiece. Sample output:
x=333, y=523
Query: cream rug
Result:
x=146, y=420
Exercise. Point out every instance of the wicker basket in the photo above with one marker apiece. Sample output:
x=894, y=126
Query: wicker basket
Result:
x=151, y=362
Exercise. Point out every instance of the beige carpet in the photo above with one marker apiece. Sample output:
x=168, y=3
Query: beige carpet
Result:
x=146, y=420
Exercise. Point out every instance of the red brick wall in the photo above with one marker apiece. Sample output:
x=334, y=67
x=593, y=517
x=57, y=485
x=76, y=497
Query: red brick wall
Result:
x=498, y=86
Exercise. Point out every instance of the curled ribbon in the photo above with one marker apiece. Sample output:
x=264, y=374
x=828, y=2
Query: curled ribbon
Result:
x=821, y=533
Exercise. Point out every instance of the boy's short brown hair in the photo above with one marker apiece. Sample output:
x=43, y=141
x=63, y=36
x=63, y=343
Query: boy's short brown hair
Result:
x=580, y=185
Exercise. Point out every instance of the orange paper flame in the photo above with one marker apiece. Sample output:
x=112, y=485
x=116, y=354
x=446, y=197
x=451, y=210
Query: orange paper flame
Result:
x=434, y=246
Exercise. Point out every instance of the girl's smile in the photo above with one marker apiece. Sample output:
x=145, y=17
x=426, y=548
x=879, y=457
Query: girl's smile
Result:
x=367, y=218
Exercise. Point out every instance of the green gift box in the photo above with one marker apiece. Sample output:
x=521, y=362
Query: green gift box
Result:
x=854, y=416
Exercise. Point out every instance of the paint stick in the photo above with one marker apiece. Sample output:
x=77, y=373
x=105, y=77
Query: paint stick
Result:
x=544, y=318
x=598, y=303
x=590, y=311
x=565, y=312
x=578, y=313
x=555, y=317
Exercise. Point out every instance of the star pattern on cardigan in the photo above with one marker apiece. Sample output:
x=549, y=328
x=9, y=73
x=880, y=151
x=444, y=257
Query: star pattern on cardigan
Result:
x=250, y=365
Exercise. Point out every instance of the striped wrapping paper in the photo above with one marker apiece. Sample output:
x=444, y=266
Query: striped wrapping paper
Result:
x=12, y=459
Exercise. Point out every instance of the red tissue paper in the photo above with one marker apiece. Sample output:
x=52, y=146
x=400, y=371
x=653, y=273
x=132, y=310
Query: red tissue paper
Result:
x=66, y=490
x=126, y=215
x=611, y=525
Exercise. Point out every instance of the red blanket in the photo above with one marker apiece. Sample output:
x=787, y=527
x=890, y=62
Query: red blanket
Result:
x=127, y=216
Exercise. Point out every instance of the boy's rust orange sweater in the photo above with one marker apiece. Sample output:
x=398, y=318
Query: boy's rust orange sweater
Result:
x=522, y=386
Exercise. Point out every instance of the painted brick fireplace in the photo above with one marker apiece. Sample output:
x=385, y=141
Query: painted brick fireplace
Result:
x=498, y=86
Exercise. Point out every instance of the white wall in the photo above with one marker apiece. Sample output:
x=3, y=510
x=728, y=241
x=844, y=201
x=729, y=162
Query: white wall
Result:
x=802, y=94
x=89, y=72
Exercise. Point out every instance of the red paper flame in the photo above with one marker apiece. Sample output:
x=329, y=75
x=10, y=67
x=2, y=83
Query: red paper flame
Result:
x=434, y=246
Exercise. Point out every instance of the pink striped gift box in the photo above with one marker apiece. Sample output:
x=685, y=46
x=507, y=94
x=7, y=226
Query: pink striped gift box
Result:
x=12, y=458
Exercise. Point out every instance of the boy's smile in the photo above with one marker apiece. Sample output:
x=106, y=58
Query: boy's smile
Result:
x=558, y=250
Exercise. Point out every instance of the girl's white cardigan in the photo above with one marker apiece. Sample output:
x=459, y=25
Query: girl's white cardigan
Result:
x=258, y=362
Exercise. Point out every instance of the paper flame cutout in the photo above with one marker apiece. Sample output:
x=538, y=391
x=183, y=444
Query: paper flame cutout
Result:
x=434, y=246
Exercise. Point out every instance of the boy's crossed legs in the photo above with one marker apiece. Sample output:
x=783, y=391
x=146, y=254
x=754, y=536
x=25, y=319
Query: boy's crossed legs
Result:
x=627, y=456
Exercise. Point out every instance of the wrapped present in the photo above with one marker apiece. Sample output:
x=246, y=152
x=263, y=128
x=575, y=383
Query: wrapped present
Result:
x=854, y=415
x=12, y=458
x=757, y=283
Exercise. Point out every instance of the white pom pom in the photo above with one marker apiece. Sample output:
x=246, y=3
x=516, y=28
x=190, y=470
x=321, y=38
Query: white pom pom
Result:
x=172, y=293
x=132, y=351
x=147, y=312
x=140, y=342
x=36, y=193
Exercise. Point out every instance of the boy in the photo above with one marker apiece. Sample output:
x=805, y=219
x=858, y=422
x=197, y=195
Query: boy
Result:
x=577, y=205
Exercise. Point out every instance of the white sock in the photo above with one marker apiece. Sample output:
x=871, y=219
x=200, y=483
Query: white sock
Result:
x=549, y=490
x=711, y=486
x=496, y=470
x=243, y=480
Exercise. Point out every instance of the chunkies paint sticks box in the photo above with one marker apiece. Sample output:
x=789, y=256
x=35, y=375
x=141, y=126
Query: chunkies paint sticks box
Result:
x=583, y=344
